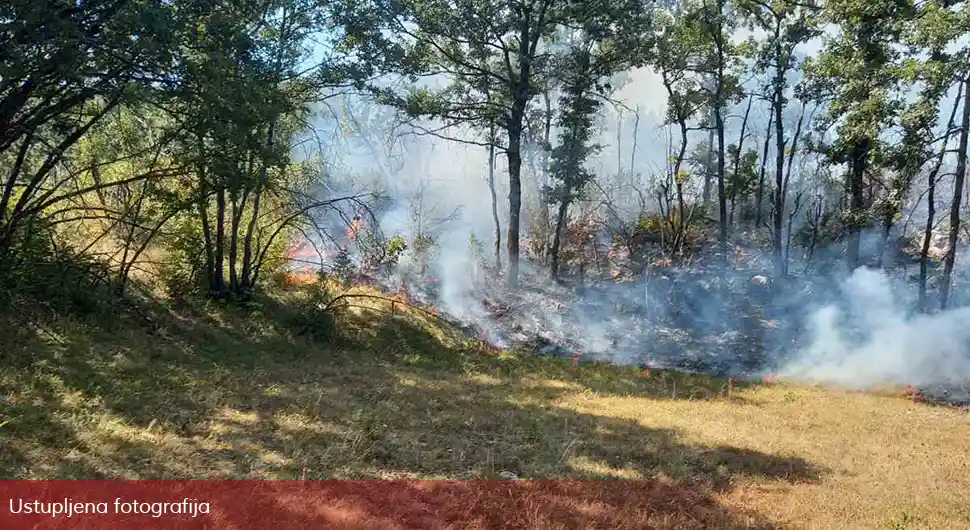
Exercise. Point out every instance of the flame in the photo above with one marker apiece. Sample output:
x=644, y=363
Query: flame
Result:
x=911, y=392
x=299, y=278
x=354, y=229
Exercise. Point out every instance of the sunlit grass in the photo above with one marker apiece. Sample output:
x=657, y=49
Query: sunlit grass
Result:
x=204, y=392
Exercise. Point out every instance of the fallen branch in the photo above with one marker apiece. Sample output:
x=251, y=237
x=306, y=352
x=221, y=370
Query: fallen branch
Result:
x=330, y=305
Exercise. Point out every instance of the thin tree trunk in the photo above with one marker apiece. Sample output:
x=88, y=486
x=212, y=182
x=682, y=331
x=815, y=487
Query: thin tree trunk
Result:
x=210, y=255
x=246, y=281
x=860, y=159
x=778, y=106
x=546, y=147
x=220, y=283
x=515, y=200
x=129, y=238
x=958, y=181
x=928, y=233
x=719, y=124
x=557, y=238
x=708, y=176
x=721, y=197
x=235, y=217
x=491, y=189
x=740, y=154
x=636, y=132
x=931, y=205
x=761, y=175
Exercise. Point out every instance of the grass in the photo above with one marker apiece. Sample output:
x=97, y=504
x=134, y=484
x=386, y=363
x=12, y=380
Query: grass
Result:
x=196, y=391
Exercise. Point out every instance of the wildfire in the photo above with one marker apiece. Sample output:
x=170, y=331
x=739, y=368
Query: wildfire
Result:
x=911, y=392
x=354, y=229
x=487, y=346
x=365, y=280
x=402, y=293
x=299, y=278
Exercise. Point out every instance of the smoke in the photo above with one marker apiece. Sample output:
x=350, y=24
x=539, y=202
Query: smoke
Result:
x=871, y=340
x=856, y=331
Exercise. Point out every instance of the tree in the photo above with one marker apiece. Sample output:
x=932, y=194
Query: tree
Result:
x=490, y=55
x=716, y=24
x=678, y=46
x=63, y=69
x=958, y=181
x=493, y=61
x=597, y=50
x=244, y=92
x=855, y=73
x=788, y=25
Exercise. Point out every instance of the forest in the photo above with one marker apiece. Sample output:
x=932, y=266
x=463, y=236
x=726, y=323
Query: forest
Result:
x=613, y=194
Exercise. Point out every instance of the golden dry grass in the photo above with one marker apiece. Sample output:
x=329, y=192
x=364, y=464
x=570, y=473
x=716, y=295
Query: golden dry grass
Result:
x=206, y=392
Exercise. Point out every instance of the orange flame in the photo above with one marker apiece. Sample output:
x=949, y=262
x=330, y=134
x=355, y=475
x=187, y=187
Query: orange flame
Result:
x=354, y=229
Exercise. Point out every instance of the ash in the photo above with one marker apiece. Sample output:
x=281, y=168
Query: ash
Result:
x=737, y=324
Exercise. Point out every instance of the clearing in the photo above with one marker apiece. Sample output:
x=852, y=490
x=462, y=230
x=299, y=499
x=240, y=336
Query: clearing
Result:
x=197, y=391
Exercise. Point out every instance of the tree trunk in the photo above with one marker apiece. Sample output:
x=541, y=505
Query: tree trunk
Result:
x=927, y=236
x=958, y=181
x=931, y=205
x=719, y=124
x=778, y=106
x=636, y=132
x=220, y=255
x=491, y=189
x=740, y=154
x=557, y=238
x=761, y=175
x=546, y=181
x=203, y=206
x=238, y=207
x=248, y=255
x=706, y=194
x=860, y=159
x=679, y=186
x=721, y=197
x=515, y=198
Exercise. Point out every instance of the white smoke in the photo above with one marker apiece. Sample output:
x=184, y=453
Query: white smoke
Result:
x=876, y=342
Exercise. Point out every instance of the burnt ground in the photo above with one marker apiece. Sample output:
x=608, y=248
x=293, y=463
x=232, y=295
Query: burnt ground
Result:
x=744, y=327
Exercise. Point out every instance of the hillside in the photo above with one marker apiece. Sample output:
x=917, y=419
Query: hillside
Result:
x=192, y=390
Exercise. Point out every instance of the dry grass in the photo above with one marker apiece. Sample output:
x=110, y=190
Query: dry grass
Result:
x=199, y=392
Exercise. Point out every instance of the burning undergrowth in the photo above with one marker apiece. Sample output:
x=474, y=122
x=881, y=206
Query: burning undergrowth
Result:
x=853, y=333
x=857, y=331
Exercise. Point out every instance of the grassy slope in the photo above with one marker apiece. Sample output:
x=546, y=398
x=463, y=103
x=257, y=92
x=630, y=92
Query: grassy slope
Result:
x=197, y=392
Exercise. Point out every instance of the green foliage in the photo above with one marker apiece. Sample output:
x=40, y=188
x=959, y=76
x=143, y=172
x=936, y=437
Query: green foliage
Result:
x=183, y=271
x=311, y=314
x=744, y=182
x=59, y=280
x=395, y=247
x=343, y=267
